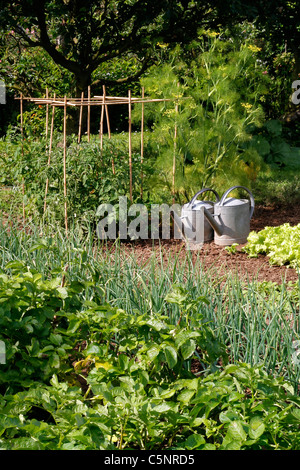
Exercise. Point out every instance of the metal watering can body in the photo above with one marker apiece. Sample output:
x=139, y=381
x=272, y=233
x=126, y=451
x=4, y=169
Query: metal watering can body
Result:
x=231, y=218
x=193, y=220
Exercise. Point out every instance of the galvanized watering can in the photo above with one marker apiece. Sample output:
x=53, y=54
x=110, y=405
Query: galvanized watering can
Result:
x=231, y=218
x=193, y=220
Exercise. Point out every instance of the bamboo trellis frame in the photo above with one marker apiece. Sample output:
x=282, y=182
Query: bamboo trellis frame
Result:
x=102, y=100
x=93, y=101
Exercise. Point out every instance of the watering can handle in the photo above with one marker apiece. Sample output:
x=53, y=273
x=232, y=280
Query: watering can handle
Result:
x=202, y=191
x=246, y=189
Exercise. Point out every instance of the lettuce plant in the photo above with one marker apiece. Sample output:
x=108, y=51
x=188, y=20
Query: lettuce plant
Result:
x=280, y=244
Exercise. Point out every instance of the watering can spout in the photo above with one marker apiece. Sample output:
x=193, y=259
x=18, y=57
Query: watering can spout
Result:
x=217, y=227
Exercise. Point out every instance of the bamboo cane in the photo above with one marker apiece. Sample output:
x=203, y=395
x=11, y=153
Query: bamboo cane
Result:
x=22, y=145
x=65, y=166
x=174, y=155
x=50, y=150
x=89, y=114
x=142, y=141
x=108, y=126
x=101, y=124
x=80, y=117
x=106, y=112
x=47, y=113
x=130, y=145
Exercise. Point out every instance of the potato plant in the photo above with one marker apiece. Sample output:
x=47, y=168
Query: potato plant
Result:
x=82, y=374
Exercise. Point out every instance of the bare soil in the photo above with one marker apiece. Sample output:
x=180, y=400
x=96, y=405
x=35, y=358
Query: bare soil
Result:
x=218, y=261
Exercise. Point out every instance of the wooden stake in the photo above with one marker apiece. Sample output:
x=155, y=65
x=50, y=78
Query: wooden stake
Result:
x=142, y=141
x=65, y=166
x=50, y=150
x=22, y=145
x=47, y=113
x=21, y=118
x=89, y=114
x=80, y=117
x=130, y=145
x=101, y=123
x=106, y=112
x=174, y=156
x=108, y=126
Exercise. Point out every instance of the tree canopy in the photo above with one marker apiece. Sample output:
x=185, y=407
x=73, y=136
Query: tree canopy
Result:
x=69, y=44
x=81, y=35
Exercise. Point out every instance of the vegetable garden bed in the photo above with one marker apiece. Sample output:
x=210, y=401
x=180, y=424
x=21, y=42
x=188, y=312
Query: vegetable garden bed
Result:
x=219, y=261
x=107, y=351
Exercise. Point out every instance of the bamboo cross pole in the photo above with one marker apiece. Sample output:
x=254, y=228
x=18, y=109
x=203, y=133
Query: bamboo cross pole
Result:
x=95, y=101
x=80, y=117
x=130, y=145
x=142, y=141
x=49, y=157
x=65, y=166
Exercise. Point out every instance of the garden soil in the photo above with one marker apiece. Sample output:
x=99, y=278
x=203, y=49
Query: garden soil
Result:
x=217, y=261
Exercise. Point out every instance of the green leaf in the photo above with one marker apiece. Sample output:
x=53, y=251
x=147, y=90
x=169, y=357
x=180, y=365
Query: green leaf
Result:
x=257, y=427
x=153, y=352
x=15, y=265
x=228, y=416
x=232, y=445
x=194, y=441
x=37, y=246
x=96, y=434
x=274, y=127
x=188, y=348
x=157, y=325
x=26, y=443
x=93, y=349
x=73, y=325
x=63, y=293
x=123, y=361
x=167, y=393
x=55, y=361
x=296, y=413
x=162, y=408
x=236, y=431
x=56, y=339
x=171, y=356
x=261, y=145
x=178, y=295
x=185, y=396
x=183, y=335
